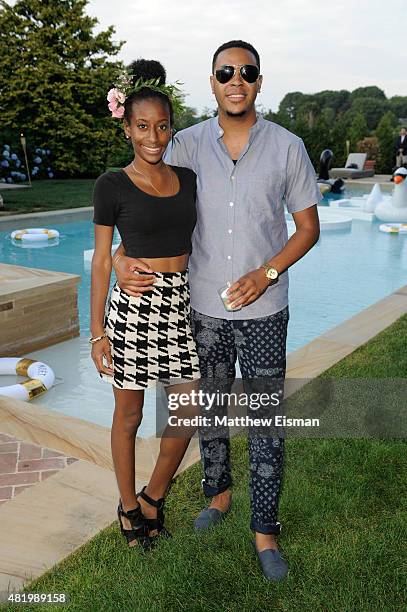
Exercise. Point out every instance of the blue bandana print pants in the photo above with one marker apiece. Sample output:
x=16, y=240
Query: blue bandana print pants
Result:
x=260, y=347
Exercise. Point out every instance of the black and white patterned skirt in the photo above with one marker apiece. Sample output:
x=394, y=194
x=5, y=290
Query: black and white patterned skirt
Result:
x=150, y=336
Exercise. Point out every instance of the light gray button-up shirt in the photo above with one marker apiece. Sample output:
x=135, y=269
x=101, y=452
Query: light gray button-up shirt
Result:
x=241, y=218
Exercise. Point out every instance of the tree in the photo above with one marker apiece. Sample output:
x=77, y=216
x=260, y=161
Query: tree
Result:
x=291, y=104
x=187, y=118
x=55, y=72
x=281, y=117
x=358, y=130
x=386, y=132
x=316, y=137
x=338, y=139
x=398, y=105
x=368, y=92
x=369, y=145
x=338, y=101
x=373, y=110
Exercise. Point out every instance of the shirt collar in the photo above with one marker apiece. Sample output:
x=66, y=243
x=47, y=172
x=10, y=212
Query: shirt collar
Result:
x=255, y=127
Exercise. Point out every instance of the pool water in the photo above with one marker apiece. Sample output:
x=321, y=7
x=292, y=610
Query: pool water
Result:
x=345, y=272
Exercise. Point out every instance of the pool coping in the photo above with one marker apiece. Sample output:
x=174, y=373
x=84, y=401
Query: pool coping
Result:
x=53, y=216
x=92, y=479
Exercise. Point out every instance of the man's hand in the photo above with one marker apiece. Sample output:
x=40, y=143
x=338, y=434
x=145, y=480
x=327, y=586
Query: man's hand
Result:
x=128, y=275
x=248, y=288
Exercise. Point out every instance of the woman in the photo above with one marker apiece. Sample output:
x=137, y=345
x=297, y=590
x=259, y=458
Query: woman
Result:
x=140, y=339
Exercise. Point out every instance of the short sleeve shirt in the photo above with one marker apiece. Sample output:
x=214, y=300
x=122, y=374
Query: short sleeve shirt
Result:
x=241, y=217
x=149, y=225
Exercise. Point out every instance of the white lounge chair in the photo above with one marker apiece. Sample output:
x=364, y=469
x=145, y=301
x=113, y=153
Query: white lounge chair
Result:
x=354, y=159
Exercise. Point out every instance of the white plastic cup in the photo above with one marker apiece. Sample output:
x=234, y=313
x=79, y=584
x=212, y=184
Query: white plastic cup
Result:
x=224, y=297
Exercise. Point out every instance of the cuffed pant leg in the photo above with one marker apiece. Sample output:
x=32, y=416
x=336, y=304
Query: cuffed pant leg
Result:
x=217, y=357
x=261, y=346
x=266, y=477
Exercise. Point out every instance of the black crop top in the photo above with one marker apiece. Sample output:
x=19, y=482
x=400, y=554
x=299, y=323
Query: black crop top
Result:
x=149, y=226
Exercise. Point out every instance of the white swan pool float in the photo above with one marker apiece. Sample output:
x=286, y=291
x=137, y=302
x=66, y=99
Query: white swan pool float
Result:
x=361, y=208
x=393, y=209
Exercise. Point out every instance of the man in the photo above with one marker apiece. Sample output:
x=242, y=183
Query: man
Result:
x=401, y=148
x=246, y=167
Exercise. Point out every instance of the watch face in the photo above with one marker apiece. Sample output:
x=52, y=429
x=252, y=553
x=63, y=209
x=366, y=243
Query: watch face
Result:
x=272, y=273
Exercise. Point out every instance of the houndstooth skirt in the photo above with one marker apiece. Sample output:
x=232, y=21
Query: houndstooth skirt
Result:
x=150, y=336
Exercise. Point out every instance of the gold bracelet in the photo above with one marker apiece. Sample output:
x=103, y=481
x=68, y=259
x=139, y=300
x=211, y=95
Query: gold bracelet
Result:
x=93, y=340
x=116, y=259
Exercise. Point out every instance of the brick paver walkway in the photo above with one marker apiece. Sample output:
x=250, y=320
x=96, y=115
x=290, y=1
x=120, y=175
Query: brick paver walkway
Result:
x=23, y=465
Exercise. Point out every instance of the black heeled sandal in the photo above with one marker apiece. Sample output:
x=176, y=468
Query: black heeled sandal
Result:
x=155, y=524
x=138, y=534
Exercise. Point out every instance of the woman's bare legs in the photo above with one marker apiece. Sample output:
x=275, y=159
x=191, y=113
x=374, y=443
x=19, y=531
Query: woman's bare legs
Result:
x=127, y=417
x=174, y=443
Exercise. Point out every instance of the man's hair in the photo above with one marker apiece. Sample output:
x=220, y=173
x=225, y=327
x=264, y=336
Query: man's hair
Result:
x=233, y=44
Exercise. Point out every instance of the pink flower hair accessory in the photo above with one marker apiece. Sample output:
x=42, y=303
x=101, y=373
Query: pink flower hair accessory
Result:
x=117, y=95
x=116, y=99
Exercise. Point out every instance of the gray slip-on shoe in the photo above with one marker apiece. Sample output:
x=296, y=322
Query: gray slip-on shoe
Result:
x=272, y=563
x=209, y=517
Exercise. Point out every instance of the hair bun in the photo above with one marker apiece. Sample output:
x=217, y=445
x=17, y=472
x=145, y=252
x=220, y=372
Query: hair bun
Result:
x=147, y=69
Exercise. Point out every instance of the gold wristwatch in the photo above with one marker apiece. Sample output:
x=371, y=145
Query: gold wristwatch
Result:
x=271, y=273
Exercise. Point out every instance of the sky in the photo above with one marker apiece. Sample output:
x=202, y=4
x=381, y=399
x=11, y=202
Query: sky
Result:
x=304, y=45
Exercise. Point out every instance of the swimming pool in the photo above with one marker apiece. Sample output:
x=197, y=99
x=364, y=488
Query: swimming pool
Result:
x=345, y=272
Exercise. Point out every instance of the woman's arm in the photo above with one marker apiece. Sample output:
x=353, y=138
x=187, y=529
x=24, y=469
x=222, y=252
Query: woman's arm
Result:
x=100, y=280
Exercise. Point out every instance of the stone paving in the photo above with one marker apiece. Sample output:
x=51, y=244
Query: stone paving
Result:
x=22, y=465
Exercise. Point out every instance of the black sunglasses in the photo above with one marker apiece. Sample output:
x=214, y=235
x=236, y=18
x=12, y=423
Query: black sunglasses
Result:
x=248, y=72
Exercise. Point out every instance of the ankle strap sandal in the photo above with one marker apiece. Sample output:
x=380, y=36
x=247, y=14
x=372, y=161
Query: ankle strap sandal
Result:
x=139, y=529
x=155, y=524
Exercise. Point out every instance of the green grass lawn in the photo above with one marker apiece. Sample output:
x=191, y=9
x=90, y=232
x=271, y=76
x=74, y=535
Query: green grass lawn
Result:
x=49, y=195
x=344, y=516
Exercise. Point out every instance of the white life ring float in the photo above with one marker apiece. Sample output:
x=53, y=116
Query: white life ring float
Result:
x=34, y=234
x=393, y=228
x=41, y=377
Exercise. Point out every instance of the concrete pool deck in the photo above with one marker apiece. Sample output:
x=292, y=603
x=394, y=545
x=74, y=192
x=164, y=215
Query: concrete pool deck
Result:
x=382, y=179
x=73, y=504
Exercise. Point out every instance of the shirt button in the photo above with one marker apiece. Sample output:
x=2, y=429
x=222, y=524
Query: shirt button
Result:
x=230, y=231
x=232, y=177
x=229, y=257
x=231, y=203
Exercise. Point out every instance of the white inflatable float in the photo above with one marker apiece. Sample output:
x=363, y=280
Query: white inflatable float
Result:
x=361, y=208
x=329, y=220
x=333, y=220
x=393, y=209
x=34, y=234
x=40, y=377
x=393, y=228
